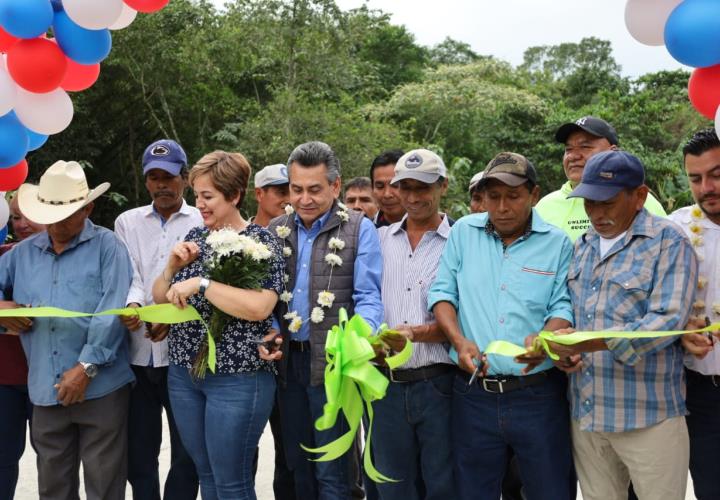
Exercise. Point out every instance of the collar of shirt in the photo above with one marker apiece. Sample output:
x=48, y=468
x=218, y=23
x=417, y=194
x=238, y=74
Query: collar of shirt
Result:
x=320, y=222
x=43, y=239
x=566, y=188
x=185, y=209
x=442, y=230
x=642, y=227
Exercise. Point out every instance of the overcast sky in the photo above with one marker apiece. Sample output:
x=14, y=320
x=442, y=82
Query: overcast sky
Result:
x=505, y=28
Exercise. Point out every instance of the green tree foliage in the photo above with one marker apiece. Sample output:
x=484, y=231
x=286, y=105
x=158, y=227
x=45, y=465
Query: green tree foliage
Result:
x=261, y=76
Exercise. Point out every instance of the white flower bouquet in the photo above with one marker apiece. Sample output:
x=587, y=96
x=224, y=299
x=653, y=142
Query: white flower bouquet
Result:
x=239, y=261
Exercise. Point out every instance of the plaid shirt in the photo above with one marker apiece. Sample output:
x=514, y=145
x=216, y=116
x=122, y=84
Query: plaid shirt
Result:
x=645, y=282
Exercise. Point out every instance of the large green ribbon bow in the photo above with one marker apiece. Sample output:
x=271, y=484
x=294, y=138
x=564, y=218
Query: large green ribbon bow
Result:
x=157, y=313
x=352, y=383
x=505, y=348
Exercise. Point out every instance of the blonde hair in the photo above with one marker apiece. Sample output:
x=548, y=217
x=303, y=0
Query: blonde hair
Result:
x=229, y=173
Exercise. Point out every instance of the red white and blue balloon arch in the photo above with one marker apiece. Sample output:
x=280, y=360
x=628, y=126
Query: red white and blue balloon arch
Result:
x=37, y=71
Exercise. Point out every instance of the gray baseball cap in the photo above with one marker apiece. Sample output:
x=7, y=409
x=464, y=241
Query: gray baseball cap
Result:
x=272, y=175
x=419, y=164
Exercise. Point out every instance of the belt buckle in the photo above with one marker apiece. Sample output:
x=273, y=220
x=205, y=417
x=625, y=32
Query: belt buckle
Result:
x=392, y=377
x=496, y=381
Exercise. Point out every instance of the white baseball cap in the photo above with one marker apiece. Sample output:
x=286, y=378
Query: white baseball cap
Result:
x=419, y=164
x=272, y=175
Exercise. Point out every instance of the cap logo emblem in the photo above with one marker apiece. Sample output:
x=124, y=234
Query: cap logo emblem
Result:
x=413, y=161
x=607, y=175
x=581, y=121
x=160, y=150
x=502, y=160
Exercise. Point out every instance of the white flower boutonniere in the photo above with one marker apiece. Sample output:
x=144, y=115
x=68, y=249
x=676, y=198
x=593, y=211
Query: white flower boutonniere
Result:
x=336, y=244
x=289, y=210
x=333, y=259
x=344, y=216
x=287, y=251
x=326, y=299
x=286, y=296
x=283, y=231
x=317, y=315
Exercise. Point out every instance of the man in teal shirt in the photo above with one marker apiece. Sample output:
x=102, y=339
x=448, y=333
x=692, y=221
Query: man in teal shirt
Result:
x=503, y=274
x=582, y=139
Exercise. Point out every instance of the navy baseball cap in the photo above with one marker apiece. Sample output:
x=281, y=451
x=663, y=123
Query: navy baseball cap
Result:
x=591, y=125
x=166, y=155
x=608, y=173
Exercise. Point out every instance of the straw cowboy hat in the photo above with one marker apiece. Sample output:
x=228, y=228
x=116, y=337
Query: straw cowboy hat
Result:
x=63, y=190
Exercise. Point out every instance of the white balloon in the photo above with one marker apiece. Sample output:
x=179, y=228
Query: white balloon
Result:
x=47, y=114
x=8, y=92
x=645, y=19
x=4, y=211
x=93, y=14
x=717, y=122
x=127, y=16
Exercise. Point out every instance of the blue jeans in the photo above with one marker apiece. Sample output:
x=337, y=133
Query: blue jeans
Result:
x=148, y=398
x=412, y=423
x=703, y=421
x=15, y=412
x=220, y=419
x=300, y=405
x=533, y=422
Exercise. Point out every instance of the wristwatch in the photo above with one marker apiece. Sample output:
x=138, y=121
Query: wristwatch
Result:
x=204, y=284
x=90, y=369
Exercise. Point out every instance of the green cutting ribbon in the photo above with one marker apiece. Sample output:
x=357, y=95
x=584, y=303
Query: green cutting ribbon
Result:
x=352, y=383
x=166, y=314
x=504, y=348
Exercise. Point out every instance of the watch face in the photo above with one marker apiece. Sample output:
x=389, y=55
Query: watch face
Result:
x=91, y=370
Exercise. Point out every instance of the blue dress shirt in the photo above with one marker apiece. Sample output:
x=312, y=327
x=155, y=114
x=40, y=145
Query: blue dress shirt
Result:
x=93, y=273
x=367, y=275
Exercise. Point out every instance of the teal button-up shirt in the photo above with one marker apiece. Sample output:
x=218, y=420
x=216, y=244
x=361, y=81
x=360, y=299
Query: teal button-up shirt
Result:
x=504, y=293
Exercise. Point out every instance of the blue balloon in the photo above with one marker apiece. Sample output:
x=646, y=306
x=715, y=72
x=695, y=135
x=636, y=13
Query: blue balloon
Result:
x=14, y=140
x=79, y=44
x=692, y=33
x=26, y=18
x=36, y=141
x=3, y=234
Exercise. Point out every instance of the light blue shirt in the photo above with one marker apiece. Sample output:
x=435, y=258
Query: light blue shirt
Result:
x=93, y=273
x=504, y=294
x=367, y=274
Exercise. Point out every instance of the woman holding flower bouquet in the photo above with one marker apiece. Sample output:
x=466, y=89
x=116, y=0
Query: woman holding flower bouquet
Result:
x=231, y=271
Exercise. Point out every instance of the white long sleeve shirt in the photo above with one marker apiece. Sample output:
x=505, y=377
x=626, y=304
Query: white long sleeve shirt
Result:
x=149, y=242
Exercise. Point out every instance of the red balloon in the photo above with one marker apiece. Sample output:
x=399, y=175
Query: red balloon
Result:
x=146, y=6
x=6, y=40
x=37, y=65
x=79, y=76
x=704, y=90
x=12, y=177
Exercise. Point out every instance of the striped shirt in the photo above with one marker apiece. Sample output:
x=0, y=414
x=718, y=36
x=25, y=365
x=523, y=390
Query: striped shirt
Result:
x=646, y=282
x=149, y=240
x=407, y=276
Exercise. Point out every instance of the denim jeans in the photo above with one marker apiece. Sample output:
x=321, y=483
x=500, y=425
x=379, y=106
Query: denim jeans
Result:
x=148, y=398
x=412, y=423
x=300, y=405
x=533, y=422
x=15, y=412
x=703, y=422
x=220, y=419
